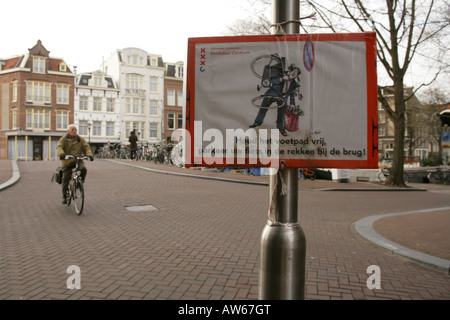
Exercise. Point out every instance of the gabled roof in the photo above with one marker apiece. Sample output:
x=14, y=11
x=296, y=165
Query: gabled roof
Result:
x=39, y=50
x=11, y=63
x=26, y=60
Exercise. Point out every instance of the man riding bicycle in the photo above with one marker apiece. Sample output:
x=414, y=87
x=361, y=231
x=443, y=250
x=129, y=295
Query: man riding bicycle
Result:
x=74, y=145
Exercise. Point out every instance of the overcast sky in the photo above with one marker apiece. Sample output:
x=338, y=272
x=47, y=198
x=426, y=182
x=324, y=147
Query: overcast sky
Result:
x=83, y=32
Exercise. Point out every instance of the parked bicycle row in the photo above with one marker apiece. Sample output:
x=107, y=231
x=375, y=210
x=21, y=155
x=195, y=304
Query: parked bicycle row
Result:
x=156, y=153
x=438, y=175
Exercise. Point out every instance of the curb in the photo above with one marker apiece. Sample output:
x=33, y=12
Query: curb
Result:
x=365, y=229
x=260, y=183
x=187, y=174
x=15, y=177
x=371, y=189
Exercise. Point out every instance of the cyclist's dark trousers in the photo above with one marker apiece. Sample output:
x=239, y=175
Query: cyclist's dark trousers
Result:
x=67, y=174
x=263, y=110
x=133, y=154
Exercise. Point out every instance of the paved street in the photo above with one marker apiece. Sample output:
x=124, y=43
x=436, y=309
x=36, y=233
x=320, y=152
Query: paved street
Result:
x=201, y=241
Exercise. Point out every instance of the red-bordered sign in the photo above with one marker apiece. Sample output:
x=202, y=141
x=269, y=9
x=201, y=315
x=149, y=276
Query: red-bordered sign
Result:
x=308, y=55
x=307, y=100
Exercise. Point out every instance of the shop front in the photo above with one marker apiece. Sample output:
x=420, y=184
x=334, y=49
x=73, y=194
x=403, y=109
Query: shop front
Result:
x=30, y=146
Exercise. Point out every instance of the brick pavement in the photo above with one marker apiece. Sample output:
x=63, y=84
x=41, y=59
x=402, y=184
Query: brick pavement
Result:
x=202, y=242
x=5, y=170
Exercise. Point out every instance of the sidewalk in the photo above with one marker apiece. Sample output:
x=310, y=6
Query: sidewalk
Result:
x=193, y=238
x=418, y=235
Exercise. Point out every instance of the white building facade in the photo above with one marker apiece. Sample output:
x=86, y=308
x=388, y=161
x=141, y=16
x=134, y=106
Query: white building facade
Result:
x=97, y=108
x=140, y=77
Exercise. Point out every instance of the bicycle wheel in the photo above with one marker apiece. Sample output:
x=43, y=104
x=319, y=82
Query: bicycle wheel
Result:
x=69, y=193
x=435, y=177
x=258, y=64
x=250, y=171
x=405, y=178
x=78, y=197
x=277, y=102
x=382, y=176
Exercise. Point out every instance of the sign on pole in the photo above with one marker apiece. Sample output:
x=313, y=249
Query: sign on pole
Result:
x=445, y=139
x=307, y=100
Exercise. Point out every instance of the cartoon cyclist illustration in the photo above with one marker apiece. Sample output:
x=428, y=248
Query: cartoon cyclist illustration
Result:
x=283, y=87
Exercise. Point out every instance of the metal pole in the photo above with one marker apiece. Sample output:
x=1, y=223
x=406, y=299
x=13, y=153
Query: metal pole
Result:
x=283, y=243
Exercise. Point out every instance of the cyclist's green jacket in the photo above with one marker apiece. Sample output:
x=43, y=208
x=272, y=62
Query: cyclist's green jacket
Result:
x=77, y=147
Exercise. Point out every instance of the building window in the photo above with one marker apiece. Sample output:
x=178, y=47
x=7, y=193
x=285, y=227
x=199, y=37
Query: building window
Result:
x=62, y=67
x=136, y=106
x=14, y=92
x=154, y=62
x=62, y=94
x=142, y=130
x=97, y=128
x=84, y=103
x=39, y=64
x=180, y=98
x=38, y=92
x=127, y=129
x=135, y=83
x=153, y=130
x=110, y=129
x=180, y=121
x=153, y=108
x=170, y=97
x=97, y=104
x=136, y=128
x=171, y=121
x=62, y=120
x=153, y=84
x=38, y=120
x=128, y=105
x=83, y=127
x=97, y=81
x=110, y=104
x=14, y=118
x=135, y=60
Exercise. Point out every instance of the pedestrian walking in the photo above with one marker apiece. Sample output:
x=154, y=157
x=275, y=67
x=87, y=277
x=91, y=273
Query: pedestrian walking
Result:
x=133, y=139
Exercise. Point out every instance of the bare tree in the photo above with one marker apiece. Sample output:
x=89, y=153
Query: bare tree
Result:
x=404, y=28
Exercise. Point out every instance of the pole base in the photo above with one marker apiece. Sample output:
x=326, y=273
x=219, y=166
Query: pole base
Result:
x=282, y=262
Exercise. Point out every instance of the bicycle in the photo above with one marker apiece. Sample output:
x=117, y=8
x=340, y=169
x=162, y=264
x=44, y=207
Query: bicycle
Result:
x=439, y=176
x=75, y=189
x=307, y=173
x=276, y=98
x=384, y=173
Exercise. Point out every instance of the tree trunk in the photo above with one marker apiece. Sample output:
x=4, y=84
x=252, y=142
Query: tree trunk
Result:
x=396, y=178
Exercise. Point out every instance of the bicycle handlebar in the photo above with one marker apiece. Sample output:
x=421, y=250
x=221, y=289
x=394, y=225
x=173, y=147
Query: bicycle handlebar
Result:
x=78, y=158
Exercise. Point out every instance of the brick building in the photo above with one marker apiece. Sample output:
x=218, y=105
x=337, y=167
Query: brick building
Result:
x=174, y=99
x=36, y=104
